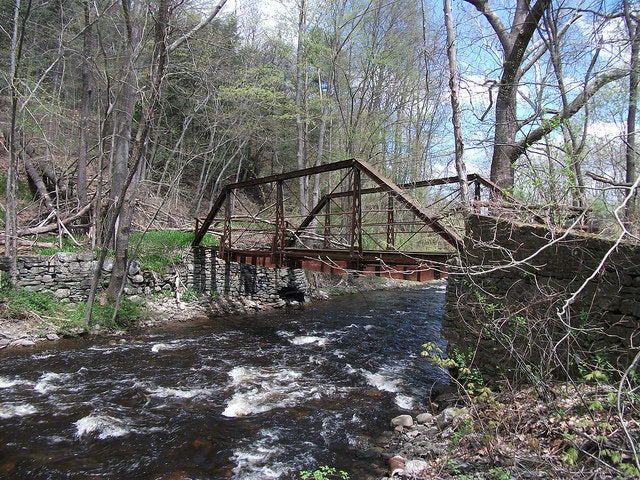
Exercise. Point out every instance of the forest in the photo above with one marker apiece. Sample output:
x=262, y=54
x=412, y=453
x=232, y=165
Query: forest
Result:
x=120, y=115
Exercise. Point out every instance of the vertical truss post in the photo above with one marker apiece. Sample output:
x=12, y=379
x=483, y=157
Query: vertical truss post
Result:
x=355, y=248
x=225, y=242
x=277, y=250
x=391, y=233
x=476, y=196
x=327, y=225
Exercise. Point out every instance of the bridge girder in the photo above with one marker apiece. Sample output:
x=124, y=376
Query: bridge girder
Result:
x=284, y=236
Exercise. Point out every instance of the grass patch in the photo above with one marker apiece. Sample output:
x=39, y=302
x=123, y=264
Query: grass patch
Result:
x=66, y=318
x=21, y=303
x=67, y=245
x=129, y=312
x=160, y=249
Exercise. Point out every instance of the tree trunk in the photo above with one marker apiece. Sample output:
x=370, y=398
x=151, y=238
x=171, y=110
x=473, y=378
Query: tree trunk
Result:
x=454, y=88
x=514, y=42
x=118, y=223
x=85, y=104
x=301, y=118
x=11, y=222
x=633, y=29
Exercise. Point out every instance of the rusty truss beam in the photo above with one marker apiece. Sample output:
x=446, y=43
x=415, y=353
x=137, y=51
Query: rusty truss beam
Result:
x=340, y=223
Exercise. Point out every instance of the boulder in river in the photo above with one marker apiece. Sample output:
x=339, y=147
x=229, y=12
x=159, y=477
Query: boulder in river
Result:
x=402, y=421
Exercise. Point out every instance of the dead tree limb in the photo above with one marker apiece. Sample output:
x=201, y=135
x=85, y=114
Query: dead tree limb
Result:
x=54, y=226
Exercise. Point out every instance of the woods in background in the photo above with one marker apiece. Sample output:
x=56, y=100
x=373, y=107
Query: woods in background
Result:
x=107, y=106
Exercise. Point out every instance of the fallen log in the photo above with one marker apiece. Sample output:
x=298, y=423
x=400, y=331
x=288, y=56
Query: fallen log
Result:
x=54, y=226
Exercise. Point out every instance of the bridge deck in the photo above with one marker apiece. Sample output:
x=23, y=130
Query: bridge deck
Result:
x=361, y=221
x=416, y=266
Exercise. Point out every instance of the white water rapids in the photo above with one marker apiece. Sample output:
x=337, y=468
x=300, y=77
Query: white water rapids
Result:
x=258, y=397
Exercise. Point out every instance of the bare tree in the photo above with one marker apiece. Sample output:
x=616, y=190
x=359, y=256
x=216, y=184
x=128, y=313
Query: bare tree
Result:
x=515, y=40
x=128, y=159
x=11, y=222
x=454, y=89
x=301, y=115
x=633, y=30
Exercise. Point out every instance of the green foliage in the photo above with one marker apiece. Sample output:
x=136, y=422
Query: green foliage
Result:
x=22, y=192
x=66, y=318
x=129, y=311
x=619, y=461
x=324, y=472
x=459, y=365
x=570, y=457
x=499, y=473
x=20, y=302
x=598, y=372
x=190, y=295
x=465, y=428
x=159, y=249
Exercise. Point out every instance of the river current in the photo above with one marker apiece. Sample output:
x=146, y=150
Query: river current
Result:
x=255, y=397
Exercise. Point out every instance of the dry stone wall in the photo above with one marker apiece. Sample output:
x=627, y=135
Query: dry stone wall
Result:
x=515, y=281
x=69, y=276
x=271, y=286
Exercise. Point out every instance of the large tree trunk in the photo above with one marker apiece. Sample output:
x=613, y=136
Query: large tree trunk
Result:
x=130, y=188
x=514, y=42
x=505, y=152
x=119, y=217
x=633, y=29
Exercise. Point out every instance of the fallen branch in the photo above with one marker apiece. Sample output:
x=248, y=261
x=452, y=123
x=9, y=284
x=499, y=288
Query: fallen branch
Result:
x=601, y=179
x=54, y=226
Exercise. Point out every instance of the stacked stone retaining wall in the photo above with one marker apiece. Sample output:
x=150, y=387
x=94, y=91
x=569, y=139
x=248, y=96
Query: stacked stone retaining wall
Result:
x=515, y=280
x=69, y=276
x=271, y=286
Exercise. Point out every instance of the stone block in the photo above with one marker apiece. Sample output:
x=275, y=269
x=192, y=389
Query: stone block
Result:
x=86, y=257
x=66, y=257
x=62, y=293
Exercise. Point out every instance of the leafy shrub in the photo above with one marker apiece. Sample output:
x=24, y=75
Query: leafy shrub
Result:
x=324, y=472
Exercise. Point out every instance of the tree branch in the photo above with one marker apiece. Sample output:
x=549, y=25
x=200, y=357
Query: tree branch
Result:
x=54, y=226
x=571, y=109
x=498, y=27
x=608, y=181
x=203, y=23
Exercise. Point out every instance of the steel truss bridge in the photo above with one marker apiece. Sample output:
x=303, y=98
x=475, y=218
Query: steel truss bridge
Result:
x=360, y=221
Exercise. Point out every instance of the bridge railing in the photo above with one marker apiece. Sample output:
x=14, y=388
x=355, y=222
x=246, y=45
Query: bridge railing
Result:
x=356, y=213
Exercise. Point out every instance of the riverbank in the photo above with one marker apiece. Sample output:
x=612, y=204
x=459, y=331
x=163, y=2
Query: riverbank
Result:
x=29, y=328
x=575, y=431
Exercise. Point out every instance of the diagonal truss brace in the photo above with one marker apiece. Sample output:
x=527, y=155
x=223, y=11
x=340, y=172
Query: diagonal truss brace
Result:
x=384, y=185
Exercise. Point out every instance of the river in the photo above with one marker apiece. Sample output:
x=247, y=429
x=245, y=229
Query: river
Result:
x=246, y=397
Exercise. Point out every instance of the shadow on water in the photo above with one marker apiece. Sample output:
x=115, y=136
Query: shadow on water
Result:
x=254, y=397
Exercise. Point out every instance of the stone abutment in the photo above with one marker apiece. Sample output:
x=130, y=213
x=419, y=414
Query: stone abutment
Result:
x=512, y=300
x=68, y=275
